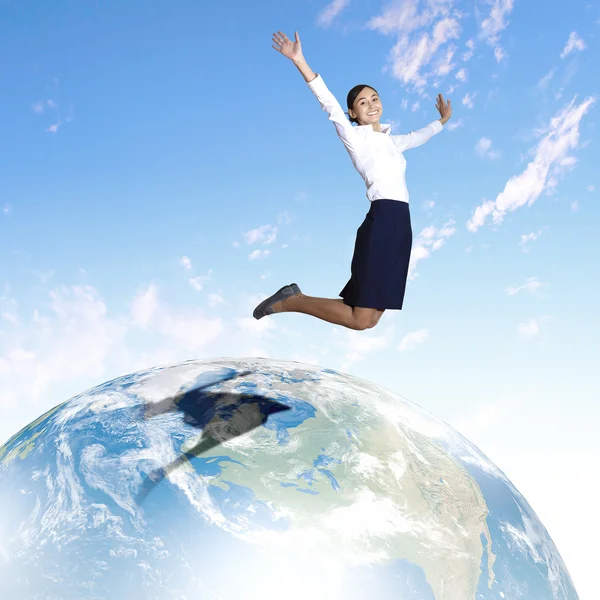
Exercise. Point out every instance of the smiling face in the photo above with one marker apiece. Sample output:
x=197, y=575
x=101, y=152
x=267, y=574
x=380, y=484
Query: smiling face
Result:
x=367, y=107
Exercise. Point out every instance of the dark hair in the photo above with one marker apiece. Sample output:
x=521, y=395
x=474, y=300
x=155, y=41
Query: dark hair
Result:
x=353, y=95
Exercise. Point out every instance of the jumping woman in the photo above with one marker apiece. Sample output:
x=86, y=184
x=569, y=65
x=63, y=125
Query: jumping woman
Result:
x=379, y=268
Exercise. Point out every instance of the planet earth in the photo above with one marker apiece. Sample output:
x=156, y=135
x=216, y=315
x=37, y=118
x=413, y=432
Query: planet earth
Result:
x=261, y=479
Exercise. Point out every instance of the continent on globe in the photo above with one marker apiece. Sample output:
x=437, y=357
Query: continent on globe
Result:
x=261, y=479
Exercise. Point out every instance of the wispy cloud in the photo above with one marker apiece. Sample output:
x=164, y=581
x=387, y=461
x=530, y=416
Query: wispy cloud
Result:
x=265, y=234
x=531, y=285
x=542, y=172
x=545, y=80
x=355, y=346
x=574, y=43
x=331, y=11
x=6, y=209
x=532, y=328
x=284, y=218
x=198, y=282
x=413, y=339
x=429, y=240
x=468, y=55
x=526, y=240
x=484, y=148
x=411, y=55
x=452, y=125
x=215, y=300
x=258, y=254
x=494, y=24
x=53, y=128
x=186, y=262
x=461, y=75
x=468, y=100
x=40, y=106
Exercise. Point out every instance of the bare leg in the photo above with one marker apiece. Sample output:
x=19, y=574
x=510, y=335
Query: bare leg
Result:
x=332, y=310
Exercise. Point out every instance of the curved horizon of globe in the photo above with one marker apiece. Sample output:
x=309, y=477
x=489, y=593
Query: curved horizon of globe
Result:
x=150, y=478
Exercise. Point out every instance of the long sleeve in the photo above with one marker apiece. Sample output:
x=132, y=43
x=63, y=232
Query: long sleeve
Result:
x=416, y=138
x=336, y=114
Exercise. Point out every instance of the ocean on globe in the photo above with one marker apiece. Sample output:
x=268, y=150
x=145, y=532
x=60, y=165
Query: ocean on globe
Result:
x=261, y=479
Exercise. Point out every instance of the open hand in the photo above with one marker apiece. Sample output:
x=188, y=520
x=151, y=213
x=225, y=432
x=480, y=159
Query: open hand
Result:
x=291, y=50
x=445, y=109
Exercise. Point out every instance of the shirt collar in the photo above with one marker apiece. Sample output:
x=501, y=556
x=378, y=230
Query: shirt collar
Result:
x=386, y=128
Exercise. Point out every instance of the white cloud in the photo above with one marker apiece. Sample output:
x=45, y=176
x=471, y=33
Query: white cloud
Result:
x=266, y=234
x=40, y=106
x=532, y=284
x=469, y=53
x=53, y=128
x=186, y=262
x=284, y=218
x=415, y=50
x=545, y=80
x=188, y=329
x=415, y=106
x=445, y=64
x=428, y=240
x=6, y=209
x=526, y=238
x=413, y=339
x=145, y=306
x=461, y=75
x=356, y=345
x=542, y=172
x=72, y=342
x=196, y=283
x=468, y=100
x=494, y=24
x=590, y=188
x=452, y=125
x=300, y=196
x=331, y=11
x=254, y=326
x=531, y=328
x=484, y=148
x=573, y=43
x=215, y=300
x=258, y=254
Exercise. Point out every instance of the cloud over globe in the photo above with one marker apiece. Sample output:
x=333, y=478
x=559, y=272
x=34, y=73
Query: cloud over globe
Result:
x=256, y=478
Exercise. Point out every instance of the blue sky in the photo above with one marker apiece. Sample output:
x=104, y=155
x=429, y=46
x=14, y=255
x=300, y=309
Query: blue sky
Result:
x=164, y=169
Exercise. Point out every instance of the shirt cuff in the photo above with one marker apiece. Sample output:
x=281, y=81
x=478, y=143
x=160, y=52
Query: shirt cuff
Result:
x=317, y=84
x=437, y=126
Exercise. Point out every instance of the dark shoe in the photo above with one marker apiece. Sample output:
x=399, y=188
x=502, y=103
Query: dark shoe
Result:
x=266, y=306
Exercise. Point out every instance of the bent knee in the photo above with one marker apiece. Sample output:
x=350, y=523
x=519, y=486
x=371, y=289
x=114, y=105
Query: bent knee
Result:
x=362, y=322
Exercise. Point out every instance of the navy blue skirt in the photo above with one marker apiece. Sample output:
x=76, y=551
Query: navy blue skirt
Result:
x=381, y=257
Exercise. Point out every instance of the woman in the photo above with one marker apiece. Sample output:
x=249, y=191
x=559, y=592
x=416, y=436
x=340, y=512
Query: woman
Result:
x=379, y=268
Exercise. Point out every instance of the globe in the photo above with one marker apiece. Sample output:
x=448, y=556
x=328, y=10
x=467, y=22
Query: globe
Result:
x=261, y=479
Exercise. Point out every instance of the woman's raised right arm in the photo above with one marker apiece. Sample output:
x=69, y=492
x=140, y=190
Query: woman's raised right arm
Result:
x=293, y=51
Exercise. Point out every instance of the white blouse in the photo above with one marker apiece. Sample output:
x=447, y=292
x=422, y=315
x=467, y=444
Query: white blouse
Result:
x=378, y=157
